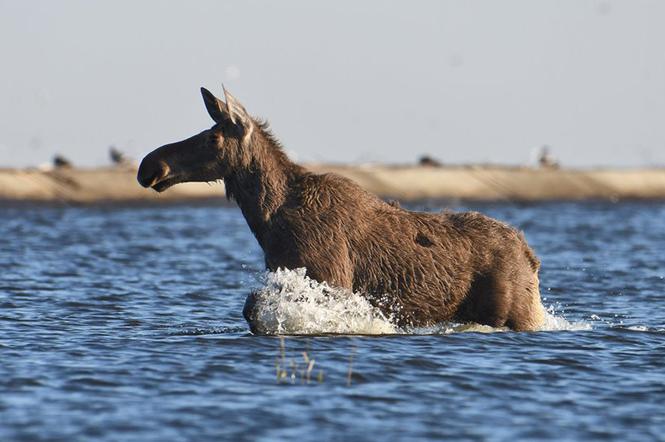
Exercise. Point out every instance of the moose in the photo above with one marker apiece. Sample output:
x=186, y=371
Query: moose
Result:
x=418, y=268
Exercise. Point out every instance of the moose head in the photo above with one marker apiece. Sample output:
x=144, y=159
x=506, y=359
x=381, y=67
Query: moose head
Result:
x=207, y=156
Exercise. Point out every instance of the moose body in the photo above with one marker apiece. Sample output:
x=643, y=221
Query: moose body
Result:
x=418, y=268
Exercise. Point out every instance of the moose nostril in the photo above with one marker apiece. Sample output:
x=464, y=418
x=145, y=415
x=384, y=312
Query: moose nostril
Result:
x=150, y=173
x=146, y=179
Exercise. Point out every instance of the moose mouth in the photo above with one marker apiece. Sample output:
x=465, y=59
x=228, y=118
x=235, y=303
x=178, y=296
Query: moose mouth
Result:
x=164, y=184
x=158, y=181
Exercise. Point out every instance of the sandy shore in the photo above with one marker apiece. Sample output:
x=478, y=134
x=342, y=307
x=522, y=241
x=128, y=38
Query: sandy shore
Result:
x=402, y=183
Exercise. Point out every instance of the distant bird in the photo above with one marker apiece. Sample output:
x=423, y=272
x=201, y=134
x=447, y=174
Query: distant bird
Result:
x=118, y=158
x=428, y=161
x=546, y=160
x=60, y=162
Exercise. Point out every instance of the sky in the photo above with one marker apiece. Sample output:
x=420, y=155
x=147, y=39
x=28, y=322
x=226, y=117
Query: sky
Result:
x=340, y=81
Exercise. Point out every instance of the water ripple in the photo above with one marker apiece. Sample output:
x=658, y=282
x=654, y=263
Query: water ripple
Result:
x=126, y=323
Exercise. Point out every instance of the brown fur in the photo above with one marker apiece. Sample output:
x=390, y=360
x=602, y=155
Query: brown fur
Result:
x=421, y=268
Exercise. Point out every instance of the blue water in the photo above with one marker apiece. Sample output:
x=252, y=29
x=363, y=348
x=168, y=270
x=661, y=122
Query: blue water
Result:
x=125, y=324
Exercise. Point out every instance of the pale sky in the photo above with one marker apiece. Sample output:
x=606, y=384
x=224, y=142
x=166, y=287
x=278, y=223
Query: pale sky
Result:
x=341, y=81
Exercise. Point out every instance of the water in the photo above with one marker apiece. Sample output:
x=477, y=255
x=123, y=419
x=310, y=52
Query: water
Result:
x=126, y=324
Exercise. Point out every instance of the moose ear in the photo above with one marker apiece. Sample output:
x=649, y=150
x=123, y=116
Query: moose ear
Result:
x=238, y=115
x=216, y=108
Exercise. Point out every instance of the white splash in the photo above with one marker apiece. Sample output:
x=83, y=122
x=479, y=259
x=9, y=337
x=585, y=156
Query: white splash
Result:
x=289, y=302
x=556, y=322
x=552, y=322
x=642, y=328
x=447, y=328
x=559, y=323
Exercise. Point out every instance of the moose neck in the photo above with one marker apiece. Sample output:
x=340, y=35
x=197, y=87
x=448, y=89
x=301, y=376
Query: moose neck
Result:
x=261, y=184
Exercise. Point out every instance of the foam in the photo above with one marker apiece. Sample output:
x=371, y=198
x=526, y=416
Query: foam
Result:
x=291, y=303
x=554, y=322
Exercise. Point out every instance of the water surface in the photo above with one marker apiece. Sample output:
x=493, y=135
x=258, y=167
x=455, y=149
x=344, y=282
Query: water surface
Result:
x=125, y=324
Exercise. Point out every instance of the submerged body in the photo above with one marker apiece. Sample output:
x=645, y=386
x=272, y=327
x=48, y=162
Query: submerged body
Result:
x=418, y=268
